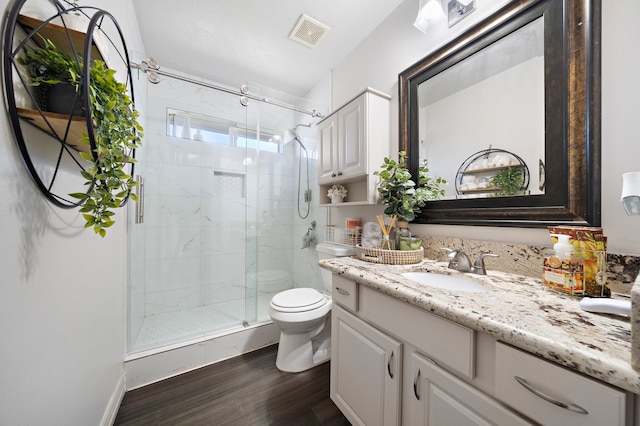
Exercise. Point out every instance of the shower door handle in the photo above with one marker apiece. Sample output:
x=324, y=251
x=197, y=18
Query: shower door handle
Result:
x=140, y=204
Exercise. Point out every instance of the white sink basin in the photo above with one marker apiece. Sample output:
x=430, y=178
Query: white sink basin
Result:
x=447, y=282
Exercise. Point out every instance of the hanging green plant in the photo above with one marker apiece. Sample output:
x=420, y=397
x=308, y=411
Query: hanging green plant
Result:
x=400, y=193
x=509, y=181
x=116, y=130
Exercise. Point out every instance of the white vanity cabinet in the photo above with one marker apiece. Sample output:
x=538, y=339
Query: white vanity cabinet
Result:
x=352, y=143
x=393, y=363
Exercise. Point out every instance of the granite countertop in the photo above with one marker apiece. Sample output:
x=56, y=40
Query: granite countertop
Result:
x=519, y=311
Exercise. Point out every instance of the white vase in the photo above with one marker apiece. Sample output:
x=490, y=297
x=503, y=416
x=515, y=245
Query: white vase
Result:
x=336, y=199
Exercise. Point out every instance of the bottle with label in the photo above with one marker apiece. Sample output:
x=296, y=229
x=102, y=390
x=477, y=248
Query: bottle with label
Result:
x=563, y=268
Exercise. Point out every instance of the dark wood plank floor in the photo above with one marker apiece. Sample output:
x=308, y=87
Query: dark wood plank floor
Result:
x=246, y=390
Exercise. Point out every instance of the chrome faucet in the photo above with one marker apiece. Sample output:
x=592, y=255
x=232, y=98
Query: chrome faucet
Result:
x=459, y=261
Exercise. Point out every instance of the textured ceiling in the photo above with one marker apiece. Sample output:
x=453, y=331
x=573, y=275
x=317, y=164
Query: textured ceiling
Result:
x=247, y=41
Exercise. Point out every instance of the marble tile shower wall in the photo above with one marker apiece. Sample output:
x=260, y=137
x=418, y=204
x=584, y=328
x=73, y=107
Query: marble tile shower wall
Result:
x=205, y=205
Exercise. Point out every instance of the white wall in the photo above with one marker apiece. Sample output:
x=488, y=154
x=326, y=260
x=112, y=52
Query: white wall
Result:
x=396, y=44
x=62, y=296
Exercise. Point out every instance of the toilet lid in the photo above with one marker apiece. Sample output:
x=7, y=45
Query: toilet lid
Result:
x=298, y=300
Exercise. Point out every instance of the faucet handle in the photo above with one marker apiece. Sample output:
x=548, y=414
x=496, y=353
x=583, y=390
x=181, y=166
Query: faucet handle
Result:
x=453, y=261
x=478, y=266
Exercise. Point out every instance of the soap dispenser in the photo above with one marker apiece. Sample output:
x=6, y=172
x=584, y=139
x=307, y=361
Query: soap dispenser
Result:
x=563, y=247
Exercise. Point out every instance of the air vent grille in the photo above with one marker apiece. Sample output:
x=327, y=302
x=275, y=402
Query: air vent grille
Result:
x=308, y=31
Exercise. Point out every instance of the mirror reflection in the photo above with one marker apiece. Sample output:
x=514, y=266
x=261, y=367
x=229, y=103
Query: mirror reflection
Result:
x=525, y=82
x=483, y=119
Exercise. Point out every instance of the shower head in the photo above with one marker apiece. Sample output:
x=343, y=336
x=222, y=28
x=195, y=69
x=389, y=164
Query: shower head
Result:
x=291, y=135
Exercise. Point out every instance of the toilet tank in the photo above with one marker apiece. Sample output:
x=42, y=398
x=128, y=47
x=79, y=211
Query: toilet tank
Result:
x=327, y=251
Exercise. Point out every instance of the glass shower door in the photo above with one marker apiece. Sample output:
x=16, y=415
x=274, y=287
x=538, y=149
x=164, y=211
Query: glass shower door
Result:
x=215, y=243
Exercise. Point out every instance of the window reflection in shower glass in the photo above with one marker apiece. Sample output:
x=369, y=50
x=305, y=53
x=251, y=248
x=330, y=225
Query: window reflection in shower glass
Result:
x=200, y=127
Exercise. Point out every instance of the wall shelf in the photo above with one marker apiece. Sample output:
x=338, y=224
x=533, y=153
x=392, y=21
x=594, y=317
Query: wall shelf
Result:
x=56, y=126
x=489, y=169
x=57, y=34
x=99, y=35
x=475, y=174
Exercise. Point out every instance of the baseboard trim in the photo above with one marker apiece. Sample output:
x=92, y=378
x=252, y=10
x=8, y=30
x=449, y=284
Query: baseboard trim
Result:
x=111, y=411
x=151, y=368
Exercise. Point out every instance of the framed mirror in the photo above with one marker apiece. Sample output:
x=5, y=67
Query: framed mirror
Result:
x=524, y=83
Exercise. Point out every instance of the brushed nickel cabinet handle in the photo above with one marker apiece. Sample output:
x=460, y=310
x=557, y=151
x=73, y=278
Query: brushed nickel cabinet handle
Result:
x=568, y=406
x=343, y=292
x=415, y=385
x=139, y=216
x=389, y=365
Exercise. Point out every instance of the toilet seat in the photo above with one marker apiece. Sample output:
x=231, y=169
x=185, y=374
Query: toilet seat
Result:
x=298, y=300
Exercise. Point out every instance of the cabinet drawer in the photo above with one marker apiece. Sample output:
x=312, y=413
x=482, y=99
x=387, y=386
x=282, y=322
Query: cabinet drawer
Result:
x=553, y=395
x=345, y=293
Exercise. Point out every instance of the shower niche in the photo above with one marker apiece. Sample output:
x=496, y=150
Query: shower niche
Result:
x=353, y=142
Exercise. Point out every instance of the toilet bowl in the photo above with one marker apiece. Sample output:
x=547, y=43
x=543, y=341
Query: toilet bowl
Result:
x=304, y=318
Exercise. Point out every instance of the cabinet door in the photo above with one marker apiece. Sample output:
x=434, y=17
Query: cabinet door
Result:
x=328, y=149
x=351, y=145
x=436, y=397
x=365, y=371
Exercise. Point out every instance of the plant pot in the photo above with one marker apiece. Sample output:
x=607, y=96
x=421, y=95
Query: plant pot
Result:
x=60, y=98
x=336, y=199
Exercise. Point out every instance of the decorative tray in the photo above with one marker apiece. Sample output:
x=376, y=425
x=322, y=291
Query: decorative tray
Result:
x=389, y=257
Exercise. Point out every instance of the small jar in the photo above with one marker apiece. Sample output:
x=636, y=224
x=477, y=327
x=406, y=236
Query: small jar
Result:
x=388, y=243
x=401, y=231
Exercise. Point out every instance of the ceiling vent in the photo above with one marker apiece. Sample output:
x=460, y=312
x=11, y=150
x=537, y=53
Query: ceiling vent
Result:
x=308, y=31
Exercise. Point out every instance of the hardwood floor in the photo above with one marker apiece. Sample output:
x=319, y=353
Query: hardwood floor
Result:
x=246, y=390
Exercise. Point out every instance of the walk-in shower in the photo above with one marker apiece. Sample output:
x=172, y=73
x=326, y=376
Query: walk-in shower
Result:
x=217, y=239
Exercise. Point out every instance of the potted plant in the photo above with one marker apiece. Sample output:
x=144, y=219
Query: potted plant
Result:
x=508, y=181
x=116, y=129
x=336, y=193
x=400, y=193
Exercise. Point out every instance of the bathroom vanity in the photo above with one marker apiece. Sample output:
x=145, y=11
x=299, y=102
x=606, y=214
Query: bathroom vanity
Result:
x=405, y=352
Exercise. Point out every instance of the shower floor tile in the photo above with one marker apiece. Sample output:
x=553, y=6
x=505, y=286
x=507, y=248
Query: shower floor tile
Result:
x=172, y=327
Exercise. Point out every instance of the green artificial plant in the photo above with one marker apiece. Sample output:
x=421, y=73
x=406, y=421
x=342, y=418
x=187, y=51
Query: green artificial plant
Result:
x=509, y=181
x=116, y=130
x=400, y=193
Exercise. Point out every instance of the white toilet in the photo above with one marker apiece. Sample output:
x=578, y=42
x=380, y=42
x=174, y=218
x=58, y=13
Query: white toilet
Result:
x=304, y=318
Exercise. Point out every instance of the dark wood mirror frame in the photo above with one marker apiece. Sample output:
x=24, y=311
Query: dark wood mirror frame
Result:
x=572, y=117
